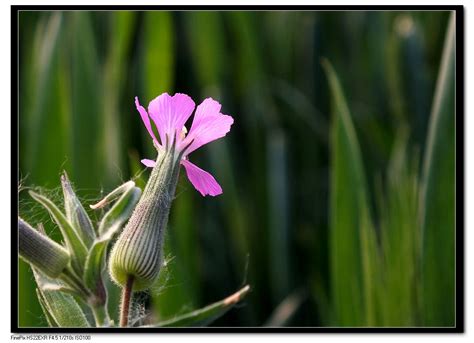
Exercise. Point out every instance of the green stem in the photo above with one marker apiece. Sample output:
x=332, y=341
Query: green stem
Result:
x=126, y=297
x=73, y=281
x=101, y=315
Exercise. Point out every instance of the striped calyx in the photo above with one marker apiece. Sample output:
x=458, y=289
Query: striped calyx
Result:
x=138, y=250
x=41, y=251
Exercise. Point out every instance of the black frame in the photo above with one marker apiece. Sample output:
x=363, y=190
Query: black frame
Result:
x=459, y=109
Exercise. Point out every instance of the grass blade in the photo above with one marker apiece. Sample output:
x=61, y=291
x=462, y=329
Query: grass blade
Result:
x=44, y=109
x=159, y=50
x=85, y=100
x=400, y=235
x=157, y=60
x=348, y=201
x=437, y=195
x=370, y=267
x=208, y=314
x=113, y=136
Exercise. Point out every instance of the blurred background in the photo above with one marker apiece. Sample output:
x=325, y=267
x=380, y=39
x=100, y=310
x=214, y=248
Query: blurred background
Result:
x=338, y=203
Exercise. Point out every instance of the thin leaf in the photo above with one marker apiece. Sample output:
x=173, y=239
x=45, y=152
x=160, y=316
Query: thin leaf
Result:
x=76, y=214
x=46, y=283
x=157, y=62
x=59, y=308
x=208, y=314
x=63, y=309
x=49, y=318
x=112, y=135
x=113, y=195
x=109, y=226
x=348, y=202
x=75, y=246
x=86, y=95
x=158, y=52
x=120, y=212
x=207, y=41
x=437, y=196
x=58, y=288
x=43, y=108
x=370, y=267
x=95, y=264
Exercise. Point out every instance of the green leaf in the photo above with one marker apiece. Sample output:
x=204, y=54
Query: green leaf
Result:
x=86, y=96
x=437, y=196
x=348, y=202
x=44, y=104
x=399, y=236
x=74, y=244
x=49, y=318
x=208, y=314
x=158, y=47
x=157, y=60
x=136, y=168
x=113, y=137
x=371, y=272
x=95, y=264
x=109, y=226
x=62, y=309
x=47, y=283
x=76, y=214
x=113, y=195
x=120, y=212
x=207, y=46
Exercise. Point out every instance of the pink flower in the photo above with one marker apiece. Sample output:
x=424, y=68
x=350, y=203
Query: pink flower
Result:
x=170, y=113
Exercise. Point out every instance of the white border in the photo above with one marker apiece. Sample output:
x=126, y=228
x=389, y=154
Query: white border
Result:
x=5, y=178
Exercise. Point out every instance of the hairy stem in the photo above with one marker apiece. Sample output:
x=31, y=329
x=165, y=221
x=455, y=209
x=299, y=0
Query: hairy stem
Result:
x=75, y=282
x=101, y=315
x=126, y=297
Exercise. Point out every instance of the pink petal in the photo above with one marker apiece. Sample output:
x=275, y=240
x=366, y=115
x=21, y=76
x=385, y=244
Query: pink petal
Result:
x=148, y=163
x=208, y=125
x=201, y=179
x=170, y=113
x=145, y=118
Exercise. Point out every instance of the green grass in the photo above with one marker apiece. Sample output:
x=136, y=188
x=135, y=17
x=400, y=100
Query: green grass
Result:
x=338, y=177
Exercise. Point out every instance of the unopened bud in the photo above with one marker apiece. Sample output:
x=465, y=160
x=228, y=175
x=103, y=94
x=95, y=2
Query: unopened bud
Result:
x=138, y=251
x=41, y=251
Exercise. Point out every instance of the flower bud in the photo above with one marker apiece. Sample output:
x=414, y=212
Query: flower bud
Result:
x=41, y=251
x=138, y=250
